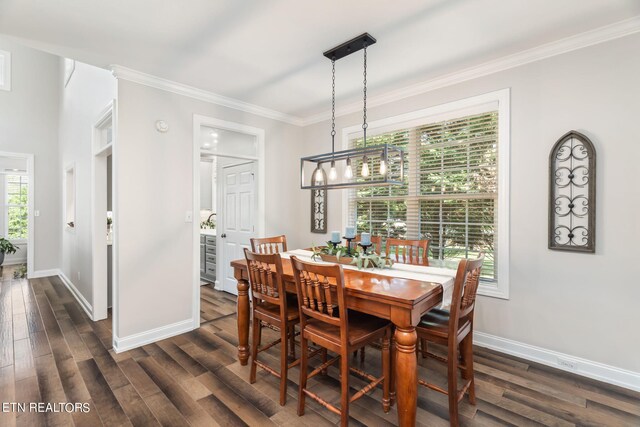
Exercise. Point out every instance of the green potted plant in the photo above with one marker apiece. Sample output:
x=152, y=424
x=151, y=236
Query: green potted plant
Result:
x=6, y=247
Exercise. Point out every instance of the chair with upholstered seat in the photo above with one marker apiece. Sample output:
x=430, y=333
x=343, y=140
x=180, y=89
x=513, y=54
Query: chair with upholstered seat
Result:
x=325, y=320
x=269, y=245
x=270, y=307
x=453, y=328
x=414, y=252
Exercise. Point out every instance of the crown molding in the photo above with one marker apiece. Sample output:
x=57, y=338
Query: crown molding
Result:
x=139, y=77
x=548, y=50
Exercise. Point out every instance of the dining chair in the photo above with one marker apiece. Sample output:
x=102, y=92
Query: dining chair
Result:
x=408, y=251
x=454, y=328
x=270, y=307
x=376, y=241
x=269, y=245
x=325, y=320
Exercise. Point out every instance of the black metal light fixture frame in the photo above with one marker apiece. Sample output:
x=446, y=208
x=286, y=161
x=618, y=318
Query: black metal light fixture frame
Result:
x=389, y=154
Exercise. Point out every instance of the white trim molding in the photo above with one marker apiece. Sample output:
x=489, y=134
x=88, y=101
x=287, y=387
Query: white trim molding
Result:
x=76, y=293
x=491, y=101
x=198, y=122
x=128, y=74
x=5, y=70
x=43, y=273
x=579, y=366
x=153, y=335
x=538, y=53
x=578, y=41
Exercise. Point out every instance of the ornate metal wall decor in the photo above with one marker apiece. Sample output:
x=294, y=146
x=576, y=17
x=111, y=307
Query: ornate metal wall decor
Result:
x=572, y=194
x=319, y=210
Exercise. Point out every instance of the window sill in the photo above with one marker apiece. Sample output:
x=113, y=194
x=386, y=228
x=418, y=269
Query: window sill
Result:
x=494, y=290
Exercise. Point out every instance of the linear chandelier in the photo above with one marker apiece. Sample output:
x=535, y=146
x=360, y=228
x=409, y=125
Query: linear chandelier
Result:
x=376, y=165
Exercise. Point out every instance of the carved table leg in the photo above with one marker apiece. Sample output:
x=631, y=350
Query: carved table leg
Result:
x=243, y=321
x=406, y=375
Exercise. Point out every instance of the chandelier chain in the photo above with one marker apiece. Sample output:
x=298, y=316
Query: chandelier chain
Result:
x=364, y=97
x=333, y=104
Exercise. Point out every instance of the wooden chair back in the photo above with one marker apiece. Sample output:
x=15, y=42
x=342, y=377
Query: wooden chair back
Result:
x=321, y=293
x=265, y=278
x=376, y=241
x=269, y=245
x=465, y=289
x=408, y=251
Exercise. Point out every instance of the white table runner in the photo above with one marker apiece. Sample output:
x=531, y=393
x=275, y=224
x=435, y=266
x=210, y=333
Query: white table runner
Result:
x=443, y=276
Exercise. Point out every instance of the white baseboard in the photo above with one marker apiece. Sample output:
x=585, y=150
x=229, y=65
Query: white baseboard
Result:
x=76, y=293
x=587, y=368
x=44, y=273
x=147, y=337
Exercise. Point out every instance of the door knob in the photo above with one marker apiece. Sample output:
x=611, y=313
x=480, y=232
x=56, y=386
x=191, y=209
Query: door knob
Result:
x=223, y=235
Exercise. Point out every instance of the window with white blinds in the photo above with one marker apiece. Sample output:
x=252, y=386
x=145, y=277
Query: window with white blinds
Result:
x=450, y=192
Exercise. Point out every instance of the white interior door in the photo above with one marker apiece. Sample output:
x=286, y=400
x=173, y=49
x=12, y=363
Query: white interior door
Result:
x=239, y=219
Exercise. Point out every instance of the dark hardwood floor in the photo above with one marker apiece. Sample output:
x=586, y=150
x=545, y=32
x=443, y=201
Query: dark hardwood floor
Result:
x=51, y=352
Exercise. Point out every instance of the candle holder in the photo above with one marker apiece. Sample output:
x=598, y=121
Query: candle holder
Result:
x=348, y=239
x=335, y=244
x=365, y=247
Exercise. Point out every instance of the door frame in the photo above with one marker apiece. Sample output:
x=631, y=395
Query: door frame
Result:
x=99, y=265
x=30, y=204
x=198, y=122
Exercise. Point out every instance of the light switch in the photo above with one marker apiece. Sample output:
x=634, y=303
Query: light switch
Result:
x=36, y=213
x=188, y=216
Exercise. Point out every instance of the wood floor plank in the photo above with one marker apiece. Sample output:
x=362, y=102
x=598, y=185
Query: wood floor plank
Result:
x=105, y=401
x=24, y=366
x=188, y=407
x=105, y=363
x=164, y=411
x=236, y=403
x=139, y=378
x=51, y=389
x=6, y=346
x=53, y=352
x=27, y=391
x=134, y=407
x=7, y=394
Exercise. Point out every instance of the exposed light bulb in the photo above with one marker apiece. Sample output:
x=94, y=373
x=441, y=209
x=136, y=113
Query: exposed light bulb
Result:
x=365, y=166
x=383, y=166
x=348, y=172
x=319, y=175
x=333, y=174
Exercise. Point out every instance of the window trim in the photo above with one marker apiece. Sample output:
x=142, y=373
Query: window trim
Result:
x=499, y=100
x=5, y=83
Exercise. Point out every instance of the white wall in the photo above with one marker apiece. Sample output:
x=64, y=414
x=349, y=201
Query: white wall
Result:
x=81, y=102
x=154, y=244
x=579, y=304
x=29, y=124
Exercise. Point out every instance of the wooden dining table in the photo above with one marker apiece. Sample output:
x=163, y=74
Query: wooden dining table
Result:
x=402, y=301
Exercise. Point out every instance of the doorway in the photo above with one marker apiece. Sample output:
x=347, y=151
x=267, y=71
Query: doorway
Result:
x=235, y=154
x=102, y=213
x=16, y=208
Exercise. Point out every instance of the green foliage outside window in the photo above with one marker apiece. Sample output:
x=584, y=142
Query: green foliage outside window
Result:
x=16, y=206
x=450, y=192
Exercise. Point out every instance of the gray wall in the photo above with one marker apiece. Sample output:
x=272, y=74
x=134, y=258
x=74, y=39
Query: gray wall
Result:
x=29, y=124
x=559, y=301
x=154, y=244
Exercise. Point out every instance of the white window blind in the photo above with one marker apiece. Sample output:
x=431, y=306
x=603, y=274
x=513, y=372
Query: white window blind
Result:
x=450, y=191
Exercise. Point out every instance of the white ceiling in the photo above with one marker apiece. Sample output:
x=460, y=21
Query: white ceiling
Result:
x=269, y=53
